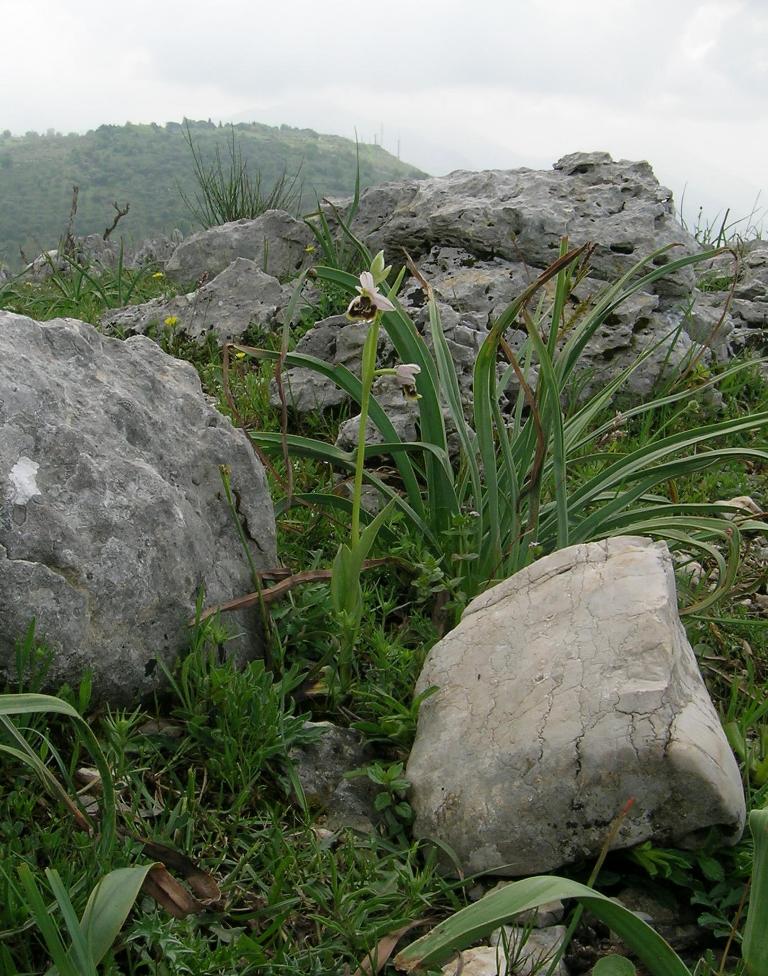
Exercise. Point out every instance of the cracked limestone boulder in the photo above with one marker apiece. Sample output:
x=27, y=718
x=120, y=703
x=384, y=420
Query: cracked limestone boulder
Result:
x=112, y=512
x=278, y=243
x=238, y=298
x=565, y=691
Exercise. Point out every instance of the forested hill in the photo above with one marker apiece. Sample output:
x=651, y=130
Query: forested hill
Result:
x=147, y=166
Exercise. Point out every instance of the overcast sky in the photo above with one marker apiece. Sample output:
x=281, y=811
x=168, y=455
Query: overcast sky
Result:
x=460, y=83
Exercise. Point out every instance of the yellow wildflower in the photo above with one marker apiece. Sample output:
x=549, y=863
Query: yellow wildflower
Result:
x=170, y=321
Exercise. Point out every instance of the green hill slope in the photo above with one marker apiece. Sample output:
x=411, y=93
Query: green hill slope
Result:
x=147, y=165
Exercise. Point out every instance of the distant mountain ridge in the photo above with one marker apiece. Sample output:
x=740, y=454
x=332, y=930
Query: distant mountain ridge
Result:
x=147, y=166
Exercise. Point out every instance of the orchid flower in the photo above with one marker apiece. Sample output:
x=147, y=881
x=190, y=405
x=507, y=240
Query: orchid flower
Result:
x=405, y=376
x=369, y=302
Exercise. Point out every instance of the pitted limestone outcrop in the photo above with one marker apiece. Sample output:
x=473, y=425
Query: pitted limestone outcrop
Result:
x=112, y=513
x=565, y=691
x=731, y=301
x=480, y=238
x=521, y=215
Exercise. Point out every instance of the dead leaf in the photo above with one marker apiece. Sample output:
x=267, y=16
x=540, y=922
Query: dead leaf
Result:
x=169, y=894
x=271, y=593
x=199, y=881
x=384, y=950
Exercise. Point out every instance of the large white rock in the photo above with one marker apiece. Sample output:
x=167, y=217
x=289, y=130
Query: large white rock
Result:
x=565, y=691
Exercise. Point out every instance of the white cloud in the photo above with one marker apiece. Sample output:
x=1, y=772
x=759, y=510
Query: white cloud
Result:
x=493, y=83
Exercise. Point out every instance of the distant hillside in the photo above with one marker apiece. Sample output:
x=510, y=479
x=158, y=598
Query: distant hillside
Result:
x=146, y=165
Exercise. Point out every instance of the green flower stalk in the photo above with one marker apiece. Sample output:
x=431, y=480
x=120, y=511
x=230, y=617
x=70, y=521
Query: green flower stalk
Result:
x=754, y=946
x=367, y=306
x=346, y=592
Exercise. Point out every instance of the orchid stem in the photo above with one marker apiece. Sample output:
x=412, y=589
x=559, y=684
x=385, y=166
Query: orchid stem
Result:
x=368, y=374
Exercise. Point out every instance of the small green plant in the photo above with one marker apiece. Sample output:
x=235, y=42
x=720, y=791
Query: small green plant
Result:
x=391, y=800
x=750, y=749
x=227, y=191
x=31, y=704
x=245, y=718
x=714, y=879
x=715, y=281
x=82, y=290
x=391, y=721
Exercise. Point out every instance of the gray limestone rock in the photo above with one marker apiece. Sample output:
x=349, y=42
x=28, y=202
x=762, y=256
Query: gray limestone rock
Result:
x=480, y=238
x=321, y=767
x=334, y=340
x=472, y=293
x=732, y=297
x=402, y=413
x=90, y=251
x=276, y=241
x=45, y=264
x=480, y=961
x=155, y=252
x=520, y=215
x=470, y=285
x=563, y=692
x=241, y=296
x=112, y=513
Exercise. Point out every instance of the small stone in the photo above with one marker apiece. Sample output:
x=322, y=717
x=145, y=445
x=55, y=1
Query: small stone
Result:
x=530, y=950
x=321, y=767
x=481, y=961
x=672, y=918
x=477, y=891
x=740, y=501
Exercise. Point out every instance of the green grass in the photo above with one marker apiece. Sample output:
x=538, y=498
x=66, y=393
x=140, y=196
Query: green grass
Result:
x=83, y=292
x=207, y=769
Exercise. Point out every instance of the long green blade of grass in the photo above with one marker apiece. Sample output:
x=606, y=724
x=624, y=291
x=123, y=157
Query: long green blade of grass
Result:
x=36, y=704
x=478, y=920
